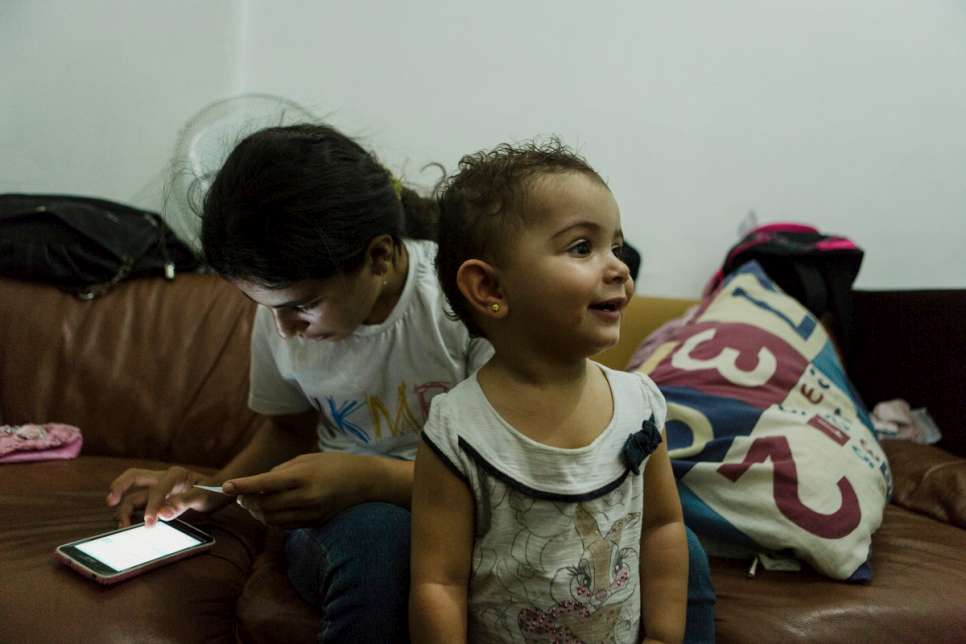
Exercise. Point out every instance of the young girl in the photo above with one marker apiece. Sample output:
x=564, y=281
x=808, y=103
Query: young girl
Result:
x=349, y=345
x=544, y=507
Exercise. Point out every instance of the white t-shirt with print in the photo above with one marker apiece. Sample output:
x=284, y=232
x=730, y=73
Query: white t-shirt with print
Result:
x=557, y=531
x=373, y=388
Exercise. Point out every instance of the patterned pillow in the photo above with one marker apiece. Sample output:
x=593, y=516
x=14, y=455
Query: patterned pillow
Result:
x=771, y=446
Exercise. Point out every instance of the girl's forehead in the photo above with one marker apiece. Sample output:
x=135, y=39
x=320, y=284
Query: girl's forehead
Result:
x=567, y=198
x=295, y=293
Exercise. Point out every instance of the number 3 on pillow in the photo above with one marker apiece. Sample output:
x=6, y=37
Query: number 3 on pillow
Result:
x=734, y=360
x=726, y=362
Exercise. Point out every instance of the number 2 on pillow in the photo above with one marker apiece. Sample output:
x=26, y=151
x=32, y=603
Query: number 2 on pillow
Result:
x=835, y=525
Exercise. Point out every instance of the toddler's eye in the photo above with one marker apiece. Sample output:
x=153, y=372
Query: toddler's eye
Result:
x=618, y=250
x=580, y=248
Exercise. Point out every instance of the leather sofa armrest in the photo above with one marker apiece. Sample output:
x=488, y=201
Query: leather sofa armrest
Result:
x=928, y=480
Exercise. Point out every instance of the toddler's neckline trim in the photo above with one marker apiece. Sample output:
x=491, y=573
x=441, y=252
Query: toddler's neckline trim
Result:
x=532, y=491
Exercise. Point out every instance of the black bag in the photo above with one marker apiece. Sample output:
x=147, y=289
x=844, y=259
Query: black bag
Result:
x=85, y=245
x=814, y=268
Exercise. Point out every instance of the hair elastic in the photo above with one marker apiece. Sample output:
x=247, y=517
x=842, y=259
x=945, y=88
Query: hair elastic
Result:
x=397, y=186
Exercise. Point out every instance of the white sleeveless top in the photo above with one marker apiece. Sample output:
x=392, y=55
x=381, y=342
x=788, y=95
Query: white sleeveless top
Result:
x=558, y=531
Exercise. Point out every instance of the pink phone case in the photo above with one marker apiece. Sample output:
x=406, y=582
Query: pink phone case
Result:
x=108, y=580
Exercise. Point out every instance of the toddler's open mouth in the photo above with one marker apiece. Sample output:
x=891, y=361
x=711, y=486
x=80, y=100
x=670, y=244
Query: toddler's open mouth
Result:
x=613, y=305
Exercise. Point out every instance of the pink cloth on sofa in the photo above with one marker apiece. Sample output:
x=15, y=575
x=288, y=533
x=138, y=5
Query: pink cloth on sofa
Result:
x=32, y=442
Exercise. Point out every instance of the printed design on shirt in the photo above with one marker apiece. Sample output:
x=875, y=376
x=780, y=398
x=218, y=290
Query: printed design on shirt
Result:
x=339, y=415
x=425, y=393
x=599, y=584
x=565, y=576
x=403, y=423
x=383, y=423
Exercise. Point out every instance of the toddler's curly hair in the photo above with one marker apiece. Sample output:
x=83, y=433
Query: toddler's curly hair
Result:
x=484, y=204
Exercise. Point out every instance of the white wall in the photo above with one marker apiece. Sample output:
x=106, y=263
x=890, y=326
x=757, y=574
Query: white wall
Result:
x=93, y=92
x=847, y=115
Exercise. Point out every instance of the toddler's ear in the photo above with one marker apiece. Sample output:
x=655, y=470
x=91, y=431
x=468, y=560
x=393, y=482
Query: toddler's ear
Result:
x=479, y=283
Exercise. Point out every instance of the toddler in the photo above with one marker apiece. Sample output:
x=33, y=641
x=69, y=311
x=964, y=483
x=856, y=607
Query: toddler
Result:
x=544, y=505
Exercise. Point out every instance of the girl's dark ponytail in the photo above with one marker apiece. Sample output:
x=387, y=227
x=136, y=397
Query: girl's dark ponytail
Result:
x=420, y=215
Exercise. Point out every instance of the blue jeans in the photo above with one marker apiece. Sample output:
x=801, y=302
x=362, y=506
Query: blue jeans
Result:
x=355, y=570
x=699, y=623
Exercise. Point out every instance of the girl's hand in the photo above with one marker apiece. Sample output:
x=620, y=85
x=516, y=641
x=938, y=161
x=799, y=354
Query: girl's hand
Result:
x=164, y=494
x=309, y=489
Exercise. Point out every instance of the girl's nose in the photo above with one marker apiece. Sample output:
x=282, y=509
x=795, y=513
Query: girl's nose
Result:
x=287, y=324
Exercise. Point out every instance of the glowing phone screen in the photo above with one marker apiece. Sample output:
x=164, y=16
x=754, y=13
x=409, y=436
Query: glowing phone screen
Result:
x=134, y=547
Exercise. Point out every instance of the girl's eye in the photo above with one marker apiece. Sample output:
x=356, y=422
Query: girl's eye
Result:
x=580, y=248
x=305, y=308
x=618, y=250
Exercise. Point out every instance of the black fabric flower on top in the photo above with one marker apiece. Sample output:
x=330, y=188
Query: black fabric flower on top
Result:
x=639, y=444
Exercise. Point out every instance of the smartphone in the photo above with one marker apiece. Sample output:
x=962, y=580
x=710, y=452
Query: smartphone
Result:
x=121, y=554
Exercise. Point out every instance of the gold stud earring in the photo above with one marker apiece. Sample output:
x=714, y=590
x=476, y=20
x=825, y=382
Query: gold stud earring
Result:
x=495, y=307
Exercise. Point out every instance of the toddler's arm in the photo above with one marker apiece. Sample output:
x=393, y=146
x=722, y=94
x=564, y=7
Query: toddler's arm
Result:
x=664, y=553
x=442, y=550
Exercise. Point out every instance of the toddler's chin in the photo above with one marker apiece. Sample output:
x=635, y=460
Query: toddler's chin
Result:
x=602, y=346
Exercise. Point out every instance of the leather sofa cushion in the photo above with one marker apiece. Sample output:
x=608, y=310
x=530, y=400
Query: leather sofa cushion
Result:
x=917, y=593
x=917, y=588
x=45, y=504
x=269, y=609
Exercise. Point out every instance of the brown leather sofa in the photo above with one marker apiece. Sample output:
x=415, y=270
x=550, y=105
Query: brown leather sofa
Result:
x=156, y=373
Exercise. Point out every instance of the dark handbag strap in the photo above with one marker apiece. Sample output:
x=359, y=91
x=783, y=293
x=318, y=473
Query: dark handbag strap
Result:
x=815, y=296
x=96, y=290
